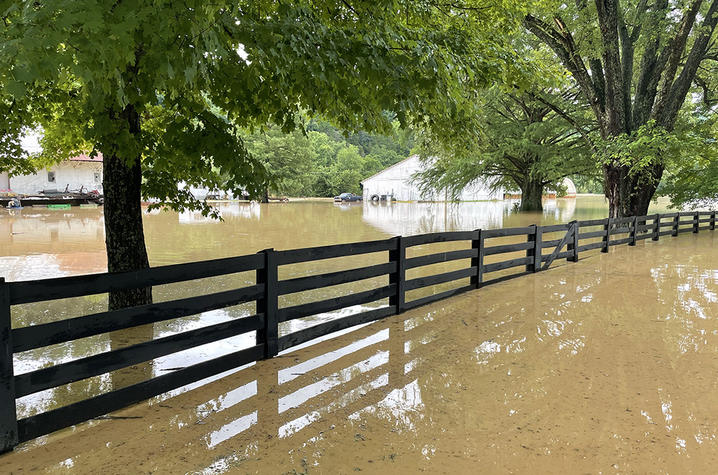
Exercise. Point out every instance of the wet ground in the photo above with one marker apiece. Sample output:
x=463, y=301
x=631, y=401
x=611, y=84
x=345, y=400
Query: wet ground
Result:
x=607, y=365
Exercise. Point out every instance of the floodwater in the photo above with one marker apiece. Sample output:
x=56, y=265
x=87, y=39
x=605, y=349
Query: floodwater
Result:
x=607, y=365
x=39, y=243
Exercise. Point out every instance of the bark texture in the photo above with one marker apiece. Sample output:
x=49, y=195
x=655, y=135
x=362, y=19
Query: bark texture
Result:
x=531, y=194
x=124, y=234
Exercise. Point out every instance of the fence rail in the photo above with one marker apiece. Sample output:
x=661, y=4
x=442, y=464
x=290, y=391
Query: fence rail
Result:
x=265, y=293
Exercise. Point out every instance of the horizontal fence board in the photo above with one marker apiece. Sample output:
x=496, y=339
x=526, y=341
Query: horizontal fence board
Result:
x=554, y=228
x=522, y=246
x=439, y=278
x=91, y=284
x=337, y=250
x=691, y=221
x=410, y=241
x=325, y=328
x=560, y=255
x=643, y=236
x=493, y=233
x=334, y=278
x=429, y=259
x=593, y=245
x=620, y=231
x=497, y=266
x=687, y=213
x=436, y=297
x=686, y=230
x=668, y=215
x=75, y=413
x=592, y=222
x=551, y=243
x=705, y=213
x=665, y=233
x=617, y=242
x=665, y=225
x=592, y=234
x=329, y=305
x=64, y=373
x=706, y=220
x=37, y=336
x=704, y=228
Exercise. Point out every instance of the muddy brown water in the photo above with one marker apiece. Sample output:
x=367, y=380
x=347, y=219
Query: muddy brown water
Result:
x=603, y=365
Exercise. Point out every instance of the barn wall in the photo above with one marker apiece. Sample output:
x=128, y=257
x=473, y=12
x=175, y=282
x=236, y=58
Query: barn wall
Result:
x=397, y=181
x=70, y=175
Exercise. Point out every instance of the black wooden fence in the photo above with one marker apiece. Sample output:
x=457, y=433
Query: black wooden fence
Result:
x=266, y=292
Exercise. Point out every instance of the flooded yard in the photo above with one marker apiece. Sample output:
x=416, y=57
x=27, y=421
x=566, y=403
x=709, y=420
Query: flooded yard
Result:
x=41, y=243
x=606, y=365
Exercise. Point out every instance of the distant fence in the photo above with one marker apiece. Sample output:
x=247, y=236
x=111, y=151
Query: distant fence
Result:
x=266, y=292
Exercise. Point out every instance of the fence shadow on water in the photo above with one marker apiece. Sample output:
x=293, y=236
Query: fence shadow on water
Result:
x=400, y=277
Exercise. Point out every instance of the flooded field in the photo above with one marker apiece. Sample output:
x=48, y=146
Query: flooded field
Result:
x=41, y=243
x=605, y=366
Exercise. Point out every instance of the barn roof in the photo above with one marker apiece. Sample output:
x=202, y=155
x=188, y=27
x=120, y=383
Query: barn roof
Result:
x=389, y=168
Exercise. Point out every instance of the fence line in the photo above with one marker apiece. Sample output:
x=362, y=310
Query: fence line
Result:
x=266, y=292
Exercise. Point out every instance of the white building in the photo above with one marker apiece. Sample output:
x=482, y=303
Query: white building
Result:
x=78, y=173
x=397, y=181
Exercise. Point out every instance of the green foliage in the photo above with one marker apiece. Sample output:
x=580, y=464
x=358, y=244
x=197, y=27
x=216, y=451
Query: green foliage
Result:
x=324, y=162
x=641, y=150
x=518, y=142
x=172, y=83
x=691, y=178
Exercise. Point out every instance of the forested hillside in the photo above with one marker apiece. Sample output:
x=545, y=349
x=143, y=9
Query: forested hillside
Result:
x=322, y=160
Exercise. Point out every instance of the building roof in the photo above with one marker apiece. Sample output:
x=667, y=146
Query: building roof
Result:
x=389, y=168
x=83, y=157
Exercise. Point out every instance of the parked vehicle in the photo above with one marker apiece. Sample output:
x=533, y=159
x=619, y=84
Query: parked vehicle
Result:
x=347, y=197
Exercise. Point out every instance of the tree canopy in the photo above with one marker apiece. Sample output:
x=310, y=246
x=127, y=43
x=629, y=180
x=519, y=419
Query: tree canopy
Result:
x=634, y=63
x=162, y=89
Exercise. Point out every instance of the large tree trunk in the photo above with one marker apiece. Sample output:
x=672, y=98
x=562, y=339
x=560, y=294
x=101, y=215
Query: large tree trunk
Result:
x=124, y=234
x=531, y=193
x=630, y=195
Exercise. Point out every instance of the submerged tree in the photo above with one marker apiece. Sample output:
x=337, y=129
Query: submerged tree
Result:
x=162, y=88
x=634, y=62
x=520, y=143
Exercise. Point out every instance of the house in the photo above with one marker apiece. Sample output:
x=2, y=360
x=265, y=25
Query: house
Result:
x=78, y=173
x=397, y=181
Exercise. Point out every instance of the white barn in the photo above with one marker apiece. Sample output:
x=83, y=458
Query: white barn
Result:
x=81, y=172
x=397, y=182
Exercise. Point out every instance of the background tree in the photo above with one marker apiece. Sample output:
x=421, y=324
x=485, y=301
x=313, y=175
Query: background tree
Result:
x=519, y=143
x=634, y=62
x=161, y=88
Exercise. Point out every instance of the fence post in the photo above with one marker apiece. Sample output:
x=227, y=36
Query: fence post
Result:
x=268, y=304
x=573, y=244
x=696, y=218
x=656, y=227
x=632, y=233
x=8, y=413
x=398, y=255
x=607, y=237
x=675, y=224
x=538, y=249
x=531, y=238
x=713, y=220
x=477, y=262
